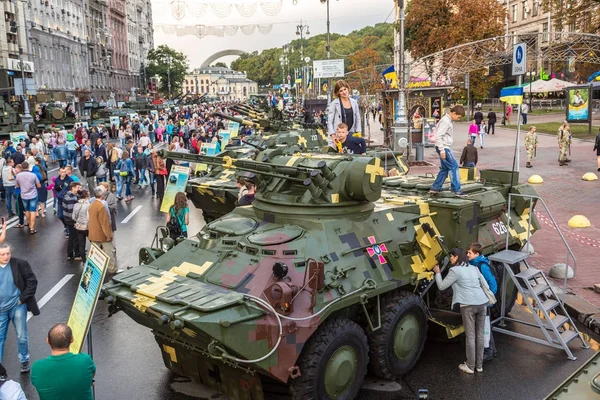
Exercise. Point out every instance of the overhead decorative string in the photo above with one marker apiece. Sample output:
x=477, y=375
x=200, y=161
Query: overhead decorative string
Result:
x=199, y=8
x=216, y=30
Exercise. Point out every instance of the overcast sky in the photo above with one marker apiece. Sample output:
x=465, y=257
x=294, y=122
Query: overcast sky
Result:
x=346, y=16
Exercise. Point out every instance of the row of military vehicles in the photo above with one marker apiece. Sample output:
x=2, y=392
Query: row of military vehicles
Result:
x=327, y=275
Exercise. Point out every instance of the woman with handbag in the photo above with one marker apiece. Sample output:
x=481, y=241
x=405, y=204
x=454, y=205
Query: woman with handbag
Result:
x=468, y=288
x=345, y=110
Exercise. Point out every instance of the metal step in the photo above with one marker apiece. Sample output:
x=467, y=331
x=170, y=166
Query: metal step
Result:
x=537, y=290
x=568, y=335
x=528, y=273
x=509, y=256
x=559, y=320
x=548, y=304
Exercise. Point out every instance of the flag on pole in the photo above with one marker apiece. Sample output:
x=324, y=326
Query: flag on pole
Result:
x=390, y=75
x=512, y=95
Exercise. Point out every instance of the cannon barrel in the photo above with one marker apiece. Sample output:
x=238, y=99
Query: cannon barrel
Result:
x=236, y=119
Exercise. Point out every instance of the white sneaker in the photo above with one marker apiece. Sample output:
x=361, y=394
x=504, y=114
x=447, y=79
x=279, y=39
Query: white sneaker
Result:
x=465, y=368
x=479, y=369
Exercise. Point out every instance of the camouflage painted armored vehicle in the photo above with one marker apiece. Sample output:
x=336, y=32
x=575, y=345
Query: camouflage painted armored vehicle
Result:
x=9, y=120
x=584, y=384
x=52, y=113
x=314, y=283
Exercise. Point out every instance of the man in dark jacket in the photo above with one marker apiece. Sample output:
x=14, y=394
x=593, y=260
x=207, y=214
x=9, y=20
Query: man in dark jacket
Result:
x=88, y=167
x=491, y=121
x=68, y=204
x=478, y=116
x=469, y=156
x=17, y=294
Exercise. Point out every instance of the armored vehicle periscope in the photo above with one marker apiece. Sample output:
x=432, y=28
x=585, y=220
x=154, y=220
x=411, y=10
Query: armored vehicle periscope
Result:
x=314, y=283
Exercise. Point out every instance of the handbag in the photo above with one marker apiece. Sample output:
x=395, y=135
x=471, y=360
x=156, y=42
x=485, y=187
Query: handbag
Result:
x=486, y=289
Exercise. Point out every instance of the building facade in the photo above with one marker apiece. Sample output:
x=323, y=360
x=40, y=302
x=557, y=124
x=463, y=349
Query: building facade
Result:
x=99, y=49
x=140, y=40
x=224, y=83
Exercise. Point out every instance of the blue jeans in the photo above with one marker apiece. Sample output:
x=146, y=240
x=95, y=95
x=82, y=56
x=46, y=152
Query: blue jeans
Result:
x=448, y=166
x=152, y=181
x=142, y=176
x=469, y=164
x=119, y=184
x=62, y=163
x=123, y=181
x=10, y=193
x=128, y=186
x=72, y=158
x=18, y=316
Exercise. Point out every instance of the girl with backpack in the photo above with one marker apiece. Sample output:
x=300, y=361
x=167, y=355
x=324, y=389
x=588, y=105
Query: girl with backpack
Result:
x=178, y=217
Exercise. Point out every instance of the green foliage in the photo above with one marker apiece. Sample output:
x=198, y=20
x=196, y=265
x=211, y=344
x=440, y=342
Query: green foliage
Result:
x=220, y=64
x=158, y=65
x=582, y=15
x=266, y=69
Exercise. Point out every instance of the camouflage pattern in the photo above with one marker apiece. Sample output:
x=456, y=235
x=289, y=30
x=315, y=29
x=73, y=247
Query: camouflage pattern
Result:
x=564, y=141
x=55, y=115
x=326, y=240
x=531, y=142
x=9, y=120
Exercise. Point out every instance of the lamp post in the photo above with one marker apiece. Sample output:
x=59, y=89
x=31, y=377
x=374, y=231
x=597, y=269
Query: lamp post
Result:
x=167, y=58
x=400, y=130
x=27, y=119
x=300, y=32
x=328, y=48
x=531, y=75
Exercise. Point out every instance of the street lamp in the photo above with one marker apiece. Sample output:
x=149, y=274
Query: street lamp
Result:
x=328, y=48
x=167, y=58
x=300, y=32
x=27, y=119
x=400, y=131
x=531, y=75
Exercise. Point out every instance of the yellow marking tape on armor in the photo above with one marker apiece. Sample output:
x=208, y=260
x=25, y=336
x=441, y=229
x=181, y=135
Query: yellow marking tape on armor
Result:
x=374, y=170
x=228, y=162
x=189, y=332
x=157, y=286
x=186, y=267
x=142, y=303
x=171, y=352
x=291, y=161
x=523, y=223
x=335, y=198
x=226, y=174
x=302, y=140
x=390, y=217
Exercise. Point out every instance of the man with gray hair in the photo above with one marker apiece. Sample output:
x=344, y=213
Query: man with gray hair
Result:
x=100, y=230
x=17, y=296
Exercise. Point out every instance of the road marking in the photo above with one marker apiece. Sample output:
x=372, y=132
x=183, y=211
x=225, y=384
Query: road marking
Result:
x=51, y=293
x=52, y=170
x=127, y=218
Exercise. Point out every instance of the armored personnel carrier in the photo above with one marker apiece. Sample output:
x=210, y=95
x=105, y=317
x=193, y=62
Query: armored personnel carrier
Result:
x=9, y=120
x=54, y=114
x=314, y=283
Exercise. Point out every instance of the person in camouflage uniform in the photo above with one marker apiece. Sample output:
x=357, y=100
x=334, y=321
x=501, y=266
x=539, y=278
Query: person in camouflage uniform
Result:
x=564, y=141
x=531, y=143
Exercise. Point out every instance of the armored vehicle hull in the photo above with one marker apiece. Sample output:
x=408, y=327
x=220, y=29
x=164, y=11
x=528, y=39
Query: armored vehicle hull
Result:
x=316, y=282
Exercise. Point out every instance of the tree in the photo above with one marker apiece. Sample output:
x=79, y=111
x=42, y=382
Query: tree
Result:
x=364, y=74
x=220, y=64
x=158, y=64
x=582, y=15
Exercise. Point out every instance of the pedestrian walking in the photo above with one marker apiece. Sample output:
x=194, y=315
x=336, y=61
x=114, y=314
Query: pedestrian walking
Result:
x=69, y=200
x=482, y=132
x=478, y=116
x=72, y=147
x=564, y=144
x=531, y=144
x=596, y=149
x=60, y=153
x=467, y=291
x=473, y=131
x=63, y=375
x=123, y=174
x=101, y=171
x=8, y=181
x=100, y=230
x=443, y=146
x=80, y=216
x=509, y=111
x=42, y=191
x=28, y=183
x=524, y=112
x=88, y=167
x=469, y=156
x=17, y=296
x=111, y=202
x=160, y=173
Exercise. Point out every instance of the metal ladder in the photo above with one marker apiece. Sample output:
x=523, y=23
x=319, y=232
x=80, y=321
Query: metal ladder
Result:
x=540, y=299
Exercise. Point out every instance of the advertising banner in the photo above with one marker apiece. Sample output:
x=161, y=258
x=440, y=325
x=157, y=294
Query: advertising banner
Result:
x=176, y=182
x=208, y=149
x=225, y=136
x=578, y=104
x=234, y=128
x=86, y=297
x=16, y=137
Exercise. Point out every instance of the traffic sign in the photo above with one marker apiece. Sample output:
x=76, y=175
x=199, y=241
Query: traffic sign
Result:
x=519, y=63
x=328, y=68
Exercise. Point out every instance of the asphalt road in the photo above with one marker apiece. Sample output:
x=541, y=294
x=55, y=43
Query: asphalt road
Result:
x=130, y=365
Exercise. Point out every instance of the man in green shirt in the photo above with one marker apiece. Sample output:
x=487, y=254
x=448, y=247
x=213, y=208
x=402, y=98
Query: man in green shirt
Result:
x=63, y=375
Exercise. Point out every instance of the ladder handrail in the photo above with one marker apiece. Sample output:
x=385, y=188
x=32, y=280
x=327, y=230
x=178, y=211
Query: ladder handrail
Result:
x=569, y=251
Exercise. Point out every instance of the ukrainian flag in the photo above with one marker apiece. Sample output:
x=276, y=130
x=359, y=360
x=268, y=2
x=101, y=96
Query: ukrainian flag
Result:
x=512, y=95
x=390, y=75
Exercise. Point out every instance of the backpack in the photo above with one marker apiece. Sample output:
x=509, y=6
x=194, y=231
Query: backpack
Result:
x=492, y=269
x=174, y=225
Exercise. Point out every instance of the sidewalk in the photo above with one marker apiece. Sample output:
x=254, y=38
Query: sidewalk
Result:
x=563, y=190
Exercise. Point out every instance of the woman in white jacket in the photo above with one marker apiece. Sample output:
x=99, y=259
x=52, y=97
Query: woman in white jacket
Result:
x=466, y=284
x=344, y=109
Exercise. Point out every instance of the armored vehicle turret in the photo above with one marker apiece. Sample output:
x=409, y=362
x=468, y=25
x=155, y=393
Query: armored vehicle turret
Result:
x=314, y=283
x=54, y=114
x=9, y=120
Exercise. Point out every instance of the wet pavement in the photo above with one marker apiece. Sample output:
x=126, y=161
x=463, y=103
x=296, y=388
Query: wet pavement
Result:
x=130, y=364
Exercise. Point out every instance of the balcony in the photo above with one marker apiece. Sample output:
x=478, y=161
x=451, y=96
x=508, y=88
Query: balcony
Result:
x=141, y=39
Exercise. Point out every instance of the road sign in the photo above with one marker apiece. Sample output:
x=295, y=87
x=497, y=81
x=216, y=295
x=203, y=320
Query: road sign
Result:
x=519, y=64
x=328, y=68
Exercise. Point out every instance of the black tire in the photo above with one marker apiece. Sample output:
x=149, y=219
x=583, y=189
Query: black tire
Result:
x=511, y=290
x=397, y=307
x=337, y=334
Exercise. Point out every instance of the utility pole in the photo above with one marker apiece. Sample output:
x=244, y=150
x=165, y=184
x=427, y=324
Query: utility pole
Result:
x=328, y=52
x=300, y=32
x=26, y=118
x=400, y=130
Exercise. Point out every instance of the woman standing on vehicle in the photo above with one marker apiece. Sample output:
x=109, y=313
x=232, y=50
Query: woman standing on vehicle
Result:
x=342, y=110
x=466, y=282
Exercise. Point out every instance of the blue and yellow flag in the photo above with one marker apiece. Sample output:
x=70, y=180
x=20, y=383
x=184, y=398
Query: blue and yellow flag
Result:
x=512, y=95
x=390, y=75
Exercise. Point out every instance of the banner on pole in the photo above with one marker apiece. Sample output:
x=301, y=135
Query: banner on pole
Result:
x=176, y=182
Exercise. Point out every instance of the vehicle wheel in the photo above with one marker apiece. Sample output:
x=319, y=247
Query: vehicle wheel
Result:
x=395, y=348
x=333, y=363
x=511, y=290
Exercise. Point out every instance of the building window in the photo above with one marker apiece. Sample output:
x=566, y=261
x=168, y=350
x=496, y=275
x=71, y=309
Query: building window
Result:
x=536, y=9
x=525, y=9
x=515, y=13
x=545, y=31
